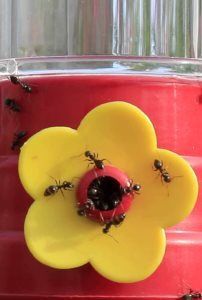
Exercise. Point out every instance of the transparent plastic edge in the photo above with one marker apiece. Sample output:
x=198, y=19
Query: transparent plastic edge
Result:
x=100, y=65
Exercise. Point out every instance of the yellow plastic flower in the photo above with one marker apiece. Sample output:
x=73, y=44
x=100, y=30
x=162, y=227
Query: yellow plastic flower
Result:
x=58, y=237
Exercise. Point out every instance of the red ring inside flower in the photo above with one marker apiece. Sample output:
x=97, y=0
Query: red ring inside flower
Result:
x=100, y=193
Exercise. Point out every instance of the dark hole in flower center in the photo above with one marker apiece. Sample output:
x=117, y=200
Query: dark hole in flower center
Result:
x=105, y=192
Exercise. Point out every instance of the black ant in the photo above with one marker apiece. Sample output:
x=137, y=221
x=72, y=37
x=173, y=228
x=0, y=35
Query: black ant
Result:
x=12, y=105
x=53, y=189
x=117, y=220
x=104, y=193
x=93, y=159
x=158, y=164
x=82, y=211
x=131, y=188
x=24, y=86
x=17, y=141
x=192, y=295
x=95, y=194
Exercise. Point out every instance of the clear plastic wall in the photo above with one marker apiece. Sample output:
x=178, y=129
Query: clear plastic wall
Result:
x=93, y=27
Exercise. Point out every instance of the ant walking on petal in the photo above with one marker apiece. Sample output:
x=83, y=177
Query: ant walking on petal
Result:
x=165, y=176
x=93, y=159
x=53, y=189
x=158, y=166
x=117, y=220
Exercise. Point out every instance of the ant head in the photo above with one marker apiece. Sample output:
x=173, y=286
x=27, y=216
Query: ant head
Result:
x=158, y=164
x=21, y=134
x=7, y=101
x=105, y=230
x=87, y=153
x=137, y=187
x=13, y=79
x=81, y=212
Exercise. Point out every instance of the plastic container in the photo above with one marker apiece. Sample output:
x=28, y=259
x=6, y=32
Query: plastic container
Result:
x=64, y=90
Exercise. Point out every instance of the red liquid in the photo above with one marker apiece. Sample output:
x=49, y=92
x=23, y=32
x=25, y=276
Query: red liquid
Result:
x=174, y=107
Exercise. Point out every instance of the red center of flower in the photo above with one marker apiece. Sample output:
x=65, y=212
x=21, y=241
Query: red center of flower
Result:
x=103, y=194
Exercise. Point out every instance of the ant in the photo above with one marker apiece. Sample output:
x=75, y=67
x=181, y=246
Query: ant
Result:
x=93, y=159
x=131, y=188
x=12, y=105
x=24, y=86
x=95, y=195
x=158, y=164
x=17, y=141
x=192, y=295
x=86, y=206
x=117, y=220
x=53, y=189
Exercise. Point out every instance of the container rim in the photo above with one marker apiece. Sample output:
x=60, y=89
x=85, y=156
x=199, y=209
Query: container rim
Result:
x=101, y=64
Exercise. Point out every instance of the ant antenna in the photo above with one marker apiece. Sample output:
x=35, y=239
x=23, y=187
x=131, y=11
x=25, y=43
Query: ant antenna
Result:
x=79, y=155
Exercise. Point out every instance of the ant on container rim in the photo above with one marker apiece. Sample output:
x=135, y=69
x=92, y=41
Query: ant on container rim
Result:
x=82, y=210
x=15, y=80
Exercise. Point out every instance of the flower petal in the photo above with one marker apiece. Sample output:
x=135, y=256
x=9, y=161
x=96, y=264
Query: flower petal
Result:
x=119, y=132
x=131, y=252
x=48, y=156
x=167, y=203
x=56, y=235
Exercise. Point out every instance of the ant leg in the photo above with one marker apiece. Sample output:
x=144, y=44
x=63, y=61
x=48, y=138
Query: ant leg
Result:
x=157, y=176
x=91, y=163
x=56, y=183
x=106, y=160
x=168, y=191
x=176, y=177
x=112, y=237
x=62, y=192
x=76, y=156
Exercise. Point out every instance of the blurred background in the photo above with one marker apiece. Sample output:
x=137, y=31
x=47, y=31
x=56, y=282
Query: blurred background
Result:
x=118, y=27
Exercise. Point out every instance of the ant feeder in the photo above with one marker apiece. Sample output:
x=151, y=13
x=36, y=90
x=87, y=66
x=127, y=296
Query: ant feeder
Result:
x=65, y=230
